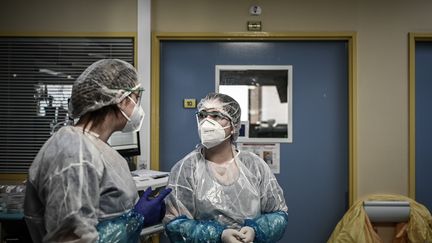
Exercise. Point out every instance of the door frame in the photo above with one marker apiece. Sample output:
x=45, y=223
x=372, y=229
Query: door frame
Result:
x=413, y=38
x=350, y=37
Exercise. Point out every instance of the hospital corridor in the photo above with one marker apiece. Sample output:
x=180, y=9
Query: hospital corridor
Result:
x=161, y=121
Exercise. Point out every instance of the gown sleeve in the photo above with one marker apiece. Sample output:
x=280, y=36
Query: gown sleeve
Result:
x=179, y=223
x=269, y=227
x=271, y=224
x=125, y=228
x=183, y=229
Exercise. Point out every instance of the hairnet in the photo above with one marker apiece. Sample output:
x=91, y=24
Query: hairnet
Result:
x=226, y=105
x=105, y=82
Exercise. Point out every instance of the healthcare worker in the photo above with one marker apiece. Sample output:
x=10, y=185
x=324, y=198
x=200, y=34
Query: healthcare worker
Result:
x=221, y=194
x=79, y=189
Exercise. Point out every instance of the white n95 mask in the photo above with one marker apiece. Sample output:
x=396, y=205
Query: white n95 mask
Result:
x=136, y=119
x=211, y=133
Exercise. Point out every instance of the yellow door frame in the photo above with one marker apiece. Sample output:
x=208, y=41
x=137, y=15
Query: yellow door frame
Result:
x=350, y=37
x=412, y=39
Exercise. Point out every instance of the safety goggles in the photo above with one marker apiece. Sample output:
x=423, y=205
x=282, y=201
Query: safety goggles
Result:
x=215, y=115
x=138, y=94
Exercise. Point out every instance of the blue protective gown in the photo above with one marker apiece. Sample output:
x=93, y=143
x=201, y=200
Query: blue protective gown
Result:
x=200, y=207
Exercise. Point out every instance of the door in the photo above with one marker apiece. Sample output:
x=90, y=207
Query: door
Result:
x=315, y=166
x=423, y=121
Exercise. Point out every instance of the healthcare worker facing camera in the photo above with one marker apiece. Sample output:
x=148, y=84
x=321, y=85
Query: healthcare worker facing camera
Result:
x=79, y=189
x=221, y=194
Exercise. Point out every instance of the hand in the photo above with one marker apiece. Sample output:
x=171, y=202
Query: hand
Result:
x=153, y=210
x=231, y=236
x=248, y=234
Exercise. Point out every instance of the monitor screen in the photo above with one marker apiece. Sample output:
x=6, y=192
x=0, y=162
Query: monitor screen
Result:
x=127, y=144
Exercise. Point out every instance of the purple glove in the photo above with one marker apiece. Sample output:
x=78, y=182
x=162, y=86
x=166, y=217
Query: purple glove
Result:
x=153, y=209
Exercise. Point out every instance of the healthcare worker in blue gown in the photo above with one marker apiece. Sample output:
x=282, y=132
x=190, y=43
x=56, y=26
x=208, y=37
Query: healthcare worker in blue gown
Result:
x=219, y=193
x=79, y=189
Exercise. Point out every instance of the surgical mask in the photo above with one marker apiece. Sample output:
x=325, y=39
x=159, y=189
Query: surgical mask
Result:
x=211, y=133
x=136, y=119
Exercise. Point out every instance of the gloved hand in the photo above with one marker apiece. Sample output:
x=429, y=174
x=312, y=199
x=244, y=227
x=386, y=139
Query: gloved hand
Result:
x=231, y=236
x=153, y=210
x=248, y=234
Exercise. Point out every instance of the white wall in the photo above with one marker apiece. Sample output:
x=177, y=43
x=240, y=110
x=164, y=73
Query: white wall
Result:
x=68, y=16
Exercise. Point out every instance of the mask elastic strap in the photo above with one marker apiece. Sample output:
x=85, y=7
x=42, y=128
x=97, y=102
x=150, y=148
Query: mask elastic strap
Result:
x=132, y=100
x=228, y=135
x=124, y=114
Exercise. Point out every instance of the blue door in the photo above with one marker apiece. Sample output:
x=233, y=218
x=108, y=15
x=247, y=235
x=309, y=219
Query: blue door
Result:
x=314, y=168
x=423, y=121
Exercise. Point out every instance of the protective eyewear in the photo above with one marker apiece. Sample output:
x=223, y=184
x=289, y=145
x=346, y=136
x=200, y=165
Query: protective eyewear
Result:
x=138, y=94
x=215, y=115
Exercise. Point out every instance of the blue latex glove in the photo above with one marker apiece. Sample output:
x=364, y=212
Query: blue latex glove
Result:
x=153, y=209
